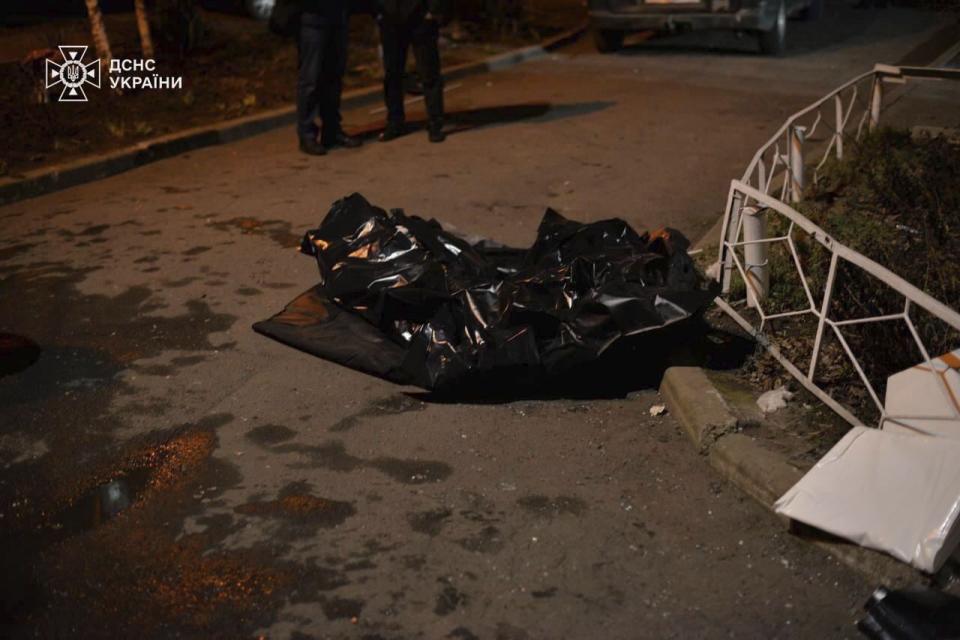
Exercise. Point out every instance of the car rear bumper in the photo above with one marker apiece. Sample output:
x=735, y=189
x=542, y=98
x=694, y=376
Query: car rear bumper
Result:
x=638, y=21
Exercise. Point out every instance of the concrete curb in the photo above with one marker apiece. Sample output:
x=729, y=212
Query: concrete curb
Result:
x=69, y=174
x=762, y=473
x=705, y=420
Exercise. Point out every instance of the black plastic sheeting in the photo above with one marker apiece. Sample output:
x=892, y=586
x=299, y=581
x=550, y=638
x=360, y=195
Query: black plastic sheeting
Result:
x=911, y=614
x=402, y=298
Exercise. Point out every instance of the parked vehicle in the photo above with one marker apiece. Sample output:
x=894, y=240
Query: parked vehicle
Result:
x=611, y=20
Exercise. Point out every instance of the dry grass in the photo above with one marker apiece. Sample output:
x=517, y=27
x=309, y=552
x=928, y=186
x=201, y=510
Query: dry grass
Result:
x=896, y=199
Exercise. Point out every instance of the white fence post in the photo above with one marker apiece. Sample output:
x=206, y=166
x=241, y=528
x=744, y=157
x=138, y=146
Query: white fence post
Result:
x=733, y=223
x=796, y=162
x=876, y=100
x=838, y=103
x=756, y=264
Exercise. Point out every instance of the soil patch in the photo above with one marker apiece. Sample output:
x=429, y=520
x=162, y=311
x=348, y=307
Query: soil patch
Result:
x=238, y=68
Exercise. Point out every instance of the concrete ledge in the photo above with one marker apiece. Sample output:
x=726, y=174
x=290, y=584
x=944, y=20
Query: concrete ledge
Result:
x=69, y=174
x=763, y=474
x=697, y=404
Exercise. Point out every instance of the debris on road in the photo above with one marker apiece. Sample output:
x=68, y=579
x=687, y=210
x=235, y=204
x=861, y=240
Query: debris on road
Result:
x=911, y=614
x=404, y=299
x=713, y=271
x=888, y=491
x=921, y=400
x=894, y=489
x=658, y=410
x=774, y=400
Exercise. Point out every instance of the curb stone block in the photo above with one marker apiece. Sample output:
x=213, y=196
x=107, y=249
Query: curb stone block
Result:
x=739, y=397
x=698, y=405
x=764, y=474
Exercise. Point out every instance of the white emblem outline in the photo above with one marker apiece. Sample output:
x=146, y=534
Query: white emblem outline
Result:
x=72, y=73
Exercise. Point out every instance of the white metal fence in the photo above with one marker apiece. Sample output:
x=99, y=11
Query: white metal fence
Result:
x=776, y=177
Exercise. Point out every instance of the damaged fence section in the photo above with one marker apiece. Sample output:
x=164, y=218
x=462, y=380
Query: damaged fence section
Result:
x=817, y=305
x=402, y=298
x=764, y=236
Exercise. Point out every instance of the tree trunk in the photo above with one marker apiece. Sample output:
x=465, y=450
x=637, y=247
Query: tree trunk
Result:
x=99, y=32
x=143, y=25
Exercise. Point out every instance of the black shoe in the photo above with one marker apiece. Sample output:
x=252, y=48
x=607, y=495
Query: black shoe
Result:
x=435, y=133
x=340, y=139
x=312, y=147
x=393, y=131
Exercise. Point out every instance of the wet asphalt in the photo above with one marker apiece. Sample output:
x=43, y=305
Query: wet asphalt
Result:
x=166, y=472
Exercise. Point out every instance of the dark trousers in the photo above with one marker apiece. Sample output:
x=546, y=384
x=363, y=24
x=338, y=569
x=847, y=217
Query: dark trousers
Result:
x=398, y=35
x=322, y=49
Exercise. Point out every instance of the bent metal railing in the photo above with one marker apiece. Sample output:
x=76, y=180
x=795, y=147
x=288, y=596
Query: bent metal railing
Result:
x=776, y=175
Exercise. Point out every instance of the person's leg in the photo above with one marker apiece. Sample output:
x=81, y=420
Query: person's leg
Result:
x=426, y=49
x=310, y=45
x=333, y=68
x=393, y=39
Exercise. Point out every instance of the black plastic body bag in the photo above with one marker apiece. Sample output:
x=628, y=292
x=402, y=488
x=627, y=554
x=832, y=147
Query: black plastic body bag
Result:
x=401, y=298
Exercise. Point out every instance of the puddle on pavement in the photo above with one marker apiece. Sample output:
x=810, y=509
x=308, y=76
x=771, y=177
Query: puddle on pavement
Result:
x=12, y=251
x=280, y=231
x=160, y=466
x=391, y=405
x=102, y=503
x=333, y=455
x=131, y=568
x=16, y=353
x=449, y=599
x=270, y=434
x=429, y=522
x=303, y=508
x=412, y=471
x=487, y=540
x=547, y=507
x=339, y=608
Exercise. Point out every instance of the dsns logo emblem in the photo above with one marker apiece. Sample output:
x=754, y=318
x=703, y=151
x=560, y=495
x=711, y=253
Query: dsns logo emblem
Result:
x=73, y=74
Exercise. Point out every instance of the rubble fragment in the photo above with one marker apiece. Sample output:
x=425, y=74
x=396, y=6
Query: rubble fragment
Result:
x=893, y=492
x=774, y=400
x=658, y=410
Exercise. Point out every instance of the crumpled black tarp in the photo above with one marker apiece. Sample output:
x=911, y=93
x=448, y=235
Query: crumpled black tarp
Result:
x=401, y=298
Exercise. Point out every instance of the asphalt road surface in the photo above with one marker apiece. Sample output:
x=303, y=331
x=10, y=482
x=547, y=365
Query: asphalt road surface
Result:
x=264, y=492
